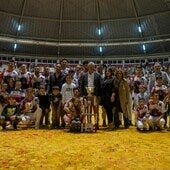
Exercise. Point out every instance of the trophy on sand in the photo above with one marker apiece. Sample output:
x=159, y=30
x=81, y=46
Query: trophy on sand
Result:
x=89, y=127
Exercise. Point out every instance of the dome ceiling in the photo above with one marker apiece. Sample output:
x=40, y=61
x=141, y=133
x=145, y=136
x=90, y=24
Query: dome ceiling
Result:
x=81, y=28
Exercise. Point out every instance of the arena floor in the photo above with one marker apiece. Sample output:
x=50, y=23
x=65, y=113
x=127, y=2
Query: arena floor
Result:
x=123, y=149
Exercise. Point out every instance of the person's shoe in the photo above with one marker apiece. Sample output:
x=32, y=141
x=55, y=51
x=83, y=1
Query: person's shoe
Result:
x=110, y=127
x=63, y=125
x=9, y=126
x=15, y=126
x=104, y=123
x=96, y=126
x=3, y=126
x=37, y=127
x=130, y=123
x=126, y=126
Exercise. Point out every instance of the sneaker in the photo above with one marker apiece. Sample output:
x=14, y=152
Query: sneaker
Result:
x=9, y=126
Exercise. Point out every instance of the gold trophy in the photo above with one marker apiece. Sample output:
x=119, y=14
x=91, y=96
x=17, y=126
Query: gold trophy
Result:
x=89, y=110
x=90, y=90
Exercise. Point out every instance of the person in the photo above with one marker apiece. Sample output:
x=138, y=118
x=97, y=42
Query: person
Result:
x=121, y=97
x=11, y=85
x=127, y=77
x=156, y=111
x=64, y=66
x=56, y=79
x=56, y=98
x=100, y=70
x=160, y=88
x=18, y=92
x=84, y=69
x=167, y=107
x=37, y=78
x=93, y=80
x=46, y=74
x=3, y=95
x=77, y=74
x=44, y=104
x=67, y=93
x=10, y=113
x=67, y=89
x=142, y=115
x=30, y=110
x=142, y=94
x=24, y=76
x=10, y=72
x=76, y=94
x=139, y=79
x=157, y=72
x=74, y=110
x=107, y=90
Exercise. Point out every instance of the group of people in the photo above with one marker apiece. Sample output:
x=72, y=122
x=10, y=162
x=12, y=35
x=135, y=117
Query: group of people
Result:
x=56, y=98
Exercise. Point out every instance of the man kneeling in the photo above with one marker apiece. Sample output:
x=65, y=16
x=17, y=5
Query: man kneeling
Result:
x=30, y=110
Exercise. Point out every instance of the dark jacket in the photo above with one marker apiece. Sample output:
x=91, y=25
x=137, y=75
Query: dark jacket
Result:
x=96, y=83
x=55, y=81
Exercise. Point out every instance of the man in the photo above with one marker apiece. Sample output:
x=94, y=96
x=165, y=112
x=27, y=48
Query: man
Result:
x=56, y=79
x=10, y=72
x=24, y=76
x=157, y=72
x=64, y=66
x=92, y=79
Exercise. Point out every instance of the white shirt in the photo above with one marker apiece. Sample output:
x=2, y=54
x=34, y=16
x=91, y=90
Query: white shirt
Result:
x=91, y=80
x=67, y=92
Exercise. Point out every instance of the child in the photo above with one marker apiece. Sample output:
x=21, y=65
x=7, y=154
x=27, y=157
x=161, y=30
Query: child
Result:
x=67, y=89
x=30, y=109
x=156, y=111
x=18, y=93
x=44, y=104
x=142, y=94
x=160, y=88
x=55, y=99
x=74, y=110
x=142, y=115
x=67, y=93
x=10, y=113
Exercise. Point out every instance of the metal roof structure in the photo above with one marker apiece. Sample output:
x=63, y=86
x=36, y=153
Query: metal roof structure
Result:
x=85, y=28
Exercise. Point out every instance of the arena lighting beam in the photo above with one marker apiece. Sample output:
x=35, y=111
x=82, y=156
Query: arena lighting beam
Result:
x=63, y=44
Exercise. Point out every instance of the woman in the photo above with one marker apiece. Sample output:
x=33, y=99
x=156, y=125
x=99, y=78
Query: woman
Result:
x=107, y=90
x=121, y=99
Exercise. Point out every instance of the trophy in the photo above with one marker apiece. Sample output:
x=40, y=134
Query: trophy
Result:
x=90, y=90
x=89, y=127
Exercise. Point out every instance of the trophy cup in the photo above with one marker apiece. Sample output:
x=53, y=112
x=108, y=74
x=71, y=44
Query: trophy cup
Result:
x=90, y=105
x=90, y=90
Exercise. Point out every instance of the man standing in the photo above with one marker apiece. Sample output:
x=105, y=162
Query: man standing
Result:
x=92, y=79
x=56, y=79
x=158, y=72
